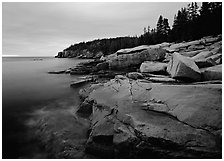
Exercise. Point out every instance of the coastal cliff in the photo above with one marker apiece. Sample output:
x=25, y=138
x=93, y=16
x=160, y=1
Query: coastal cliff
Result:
x=154, y=101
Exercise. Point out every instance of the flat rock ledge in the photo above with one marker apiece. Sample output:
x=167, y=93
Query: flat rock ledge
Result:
x=139, y=119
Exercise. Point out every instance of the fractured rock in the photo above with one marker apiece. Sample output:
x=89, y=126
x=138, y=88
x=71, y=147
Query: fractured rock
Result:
x=180, y=121
x=181, y=67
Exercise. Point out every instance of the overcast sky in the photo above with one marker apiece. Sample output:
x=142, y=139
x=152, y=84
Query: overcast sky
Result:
x=43, y=29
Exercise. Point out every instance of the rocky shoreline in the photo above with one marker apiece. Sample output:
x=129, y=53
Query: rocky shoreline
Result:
x=158, y=101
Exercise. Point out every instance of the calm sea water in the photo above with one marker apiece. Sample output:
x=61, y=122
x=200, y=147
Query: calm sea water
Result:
x=26, y=87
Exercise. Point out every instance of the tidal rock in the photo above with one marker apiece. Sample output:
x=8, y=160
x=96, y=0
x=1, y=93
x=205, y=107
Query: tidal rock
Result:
x=135, y=75
x=85, y=108
x=181, y=67
x=212, y=73
x=80, y=82
x=57, y=72
x=153, y=67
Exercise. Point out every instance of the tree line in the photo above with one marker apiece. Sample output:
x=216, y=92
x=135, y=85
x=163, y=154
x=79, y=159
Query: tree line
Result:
x=190, y=23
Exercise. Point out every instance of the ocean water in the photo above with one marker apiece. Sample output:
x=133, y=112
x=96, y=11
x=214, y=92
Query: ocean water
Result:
x=26, y=89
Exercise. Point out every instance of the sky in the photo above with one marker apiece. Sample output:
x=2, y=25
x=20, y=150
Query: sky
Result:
x=45, y=28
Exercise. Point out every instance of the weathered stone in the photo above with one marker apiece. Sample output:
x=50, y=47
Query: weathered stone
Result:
x=135, y=75
x=171, y=121
x=152, y=67
x=132, y=59
x=212, y=73
x=181, y=67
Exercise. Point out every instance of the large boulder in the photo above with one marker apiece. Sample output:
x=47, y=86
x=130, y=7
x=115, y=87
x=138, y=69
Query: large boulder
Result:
x=122, y=61
x=212, y=73
x=137, y=119
x=181, y=67
x=153, y=67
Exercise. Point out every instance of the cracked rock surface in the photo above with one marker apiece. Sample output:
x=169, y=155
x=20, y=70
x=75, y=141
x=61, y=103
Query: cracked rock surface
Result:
x=138, y=119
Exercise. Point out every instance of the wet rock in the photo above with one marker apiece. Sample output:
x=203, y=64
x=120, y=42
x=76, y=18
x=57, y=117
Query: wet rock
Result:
x=212, y=73
x=153, y=67
x=184, y=68
x=135, y=75
x=80, y=82
x=85, y=108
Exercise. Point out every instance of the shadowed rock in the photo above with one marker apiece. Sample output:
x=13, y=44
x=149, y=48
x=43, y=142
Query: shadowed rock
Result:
x=212, y=73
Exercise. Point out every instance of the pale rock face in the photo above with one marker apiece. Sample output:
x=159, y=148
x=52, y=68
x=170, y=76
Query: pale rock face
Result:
x=181, y=67
x=127, y=60
x=129, y=113
x=151, y=67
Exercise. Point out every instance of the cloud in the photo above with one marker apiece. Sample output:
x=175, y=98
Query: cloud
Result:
x=46, y=28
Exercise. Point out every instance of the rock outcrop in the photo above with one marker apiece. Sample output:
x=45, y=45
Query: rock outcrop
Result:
x=138, y=119
x=157, y=101
x=120, y=61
